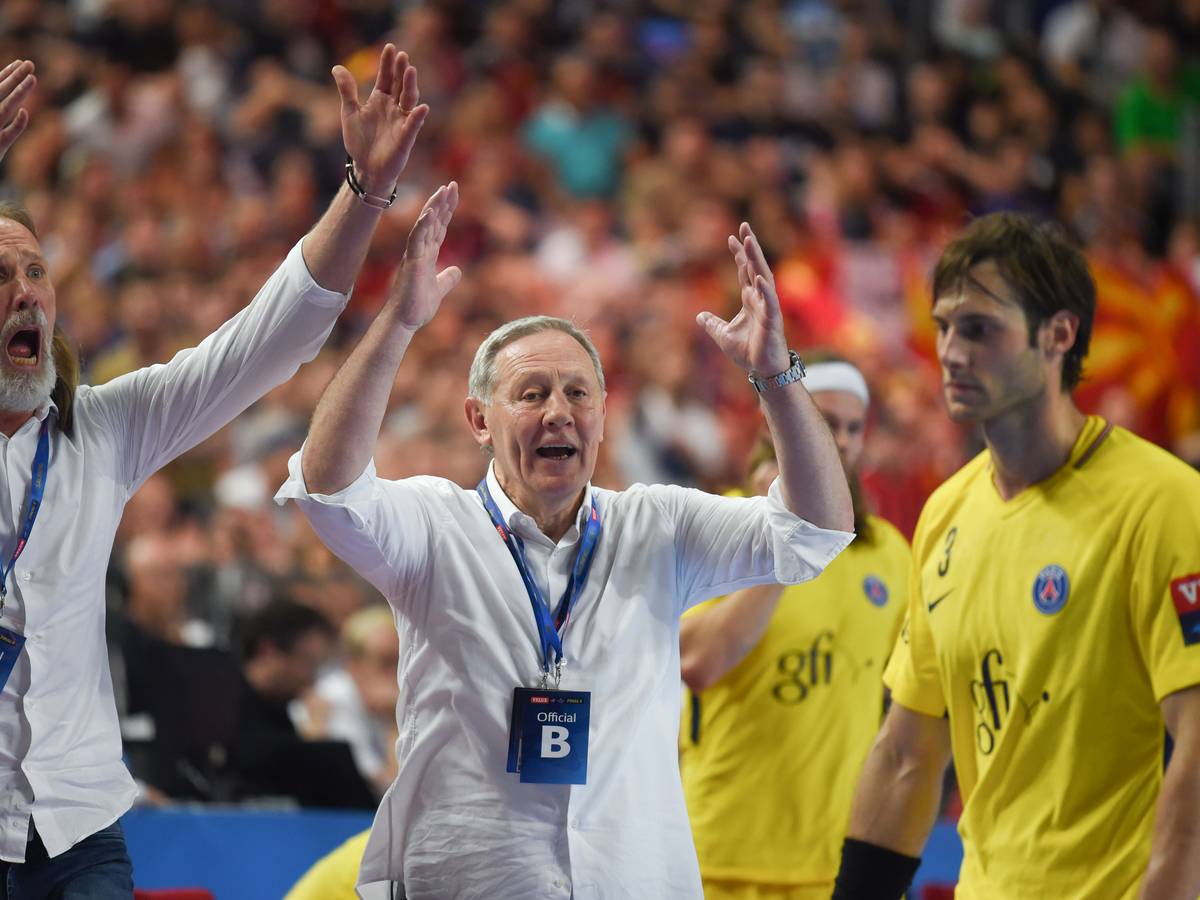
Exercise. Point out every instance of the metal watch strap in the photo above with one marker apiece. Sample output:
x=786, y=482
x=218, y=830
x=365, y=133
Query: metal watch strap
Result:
x=795, y=373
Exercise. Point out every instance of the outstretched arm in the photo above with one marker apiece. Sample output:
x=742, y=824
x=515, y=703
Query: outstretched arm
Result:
x=379, y=136
x=17, y=81
x=1174, y=869
x=811, y=474
x=160, y=411
x=346, y=424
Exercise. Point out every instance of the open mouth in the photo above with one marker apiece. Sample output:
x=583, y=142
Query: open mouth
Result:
x=556, y=451
x=23, y=347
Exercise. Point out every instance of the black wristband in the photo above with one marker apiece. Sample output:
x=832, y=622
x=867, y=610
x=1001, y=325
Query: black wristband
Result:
x=360, y=192
x=871, y=872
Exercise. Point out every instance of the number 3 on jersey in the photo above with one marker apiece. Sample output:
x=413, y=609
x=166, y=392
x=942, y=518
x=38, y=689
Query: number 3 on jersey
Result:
x=944, y=565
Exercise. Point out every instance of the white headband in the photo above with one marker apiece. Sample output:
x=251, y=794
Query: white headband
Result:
x=837, y=376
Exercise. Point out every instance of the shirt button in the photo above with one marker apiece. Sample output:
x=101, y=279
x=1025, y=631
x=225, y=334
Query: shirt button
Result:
x=27, y=576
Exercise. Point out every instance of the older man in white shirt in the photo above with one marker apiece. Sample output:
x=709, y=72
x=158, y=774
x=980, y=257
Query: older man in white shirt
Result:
x=70, y=458
x=537, y=734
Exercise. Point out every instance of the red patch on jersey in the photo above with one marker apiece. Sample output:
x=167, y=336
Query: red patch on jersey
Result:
x=1185, y=592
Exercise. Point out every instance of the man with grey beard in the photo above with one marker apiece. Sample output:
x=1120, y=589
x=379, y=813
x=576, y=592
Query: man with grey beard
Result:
x=70, y=458
x=27, y=383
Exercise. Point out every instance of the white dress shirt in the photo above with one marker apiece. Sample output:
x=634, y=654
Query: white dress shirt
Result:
x=455, y=824
x=60, y=744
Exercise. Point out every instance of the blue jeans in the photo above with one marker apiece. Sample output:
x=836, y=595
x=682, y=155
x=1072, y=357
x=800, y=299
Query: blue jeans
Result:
x=97, y=868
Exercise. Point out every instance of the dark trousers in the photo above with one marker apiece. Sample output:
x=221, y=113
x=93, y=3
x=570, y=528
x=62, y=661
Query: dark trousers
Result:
x=97, y=868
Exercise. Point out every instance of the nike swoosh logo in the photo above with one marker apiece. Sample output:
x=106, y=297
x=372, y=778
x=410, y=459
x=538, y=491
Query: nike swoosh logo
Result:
x=940, y=599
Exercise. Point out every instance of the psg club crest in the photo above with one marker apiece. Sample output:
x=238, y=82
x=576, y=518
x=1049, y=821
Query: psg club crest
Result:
x=1050, y=589
x=875, y=590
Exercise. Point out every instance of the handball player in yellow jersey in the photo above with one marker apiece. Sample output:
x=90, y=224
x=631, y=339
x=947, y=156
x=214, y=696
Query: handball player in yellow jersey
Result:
x=1053, y=627
x=785, y=692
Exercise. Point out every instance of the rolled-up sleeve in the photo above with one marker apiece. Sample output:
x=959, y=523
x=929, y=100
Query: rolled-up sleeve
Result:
x=801, y=550
x=378, y=527
x=727, y=543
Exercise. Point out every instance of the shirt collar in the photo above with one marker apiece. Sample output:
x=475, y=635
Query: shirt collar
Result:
x=513, y=517
x=38, y=416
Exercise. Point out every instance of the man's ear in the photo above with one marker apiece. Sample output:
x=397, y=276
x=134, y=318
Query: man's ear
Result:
x=1059, y=332
x=477, y=419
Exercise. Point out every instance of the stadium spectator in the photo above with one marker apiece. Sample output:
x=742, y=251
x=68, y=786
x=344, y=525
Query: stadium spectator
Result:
x=1092, y=46
x=282, y=648
x=156, y=602
x=356, y=701
x=579, y=135
x=1151, y=108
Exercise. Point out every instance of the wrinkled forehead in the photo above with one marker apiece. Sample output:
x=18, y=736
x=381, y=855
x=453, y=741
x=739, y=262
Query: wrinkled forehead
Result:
x=15, y=236
x=549, y=351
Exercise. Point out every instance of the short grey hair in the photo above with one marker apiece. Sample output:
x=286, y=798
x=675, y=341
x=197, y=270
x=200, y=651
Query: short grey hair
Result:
x=482, y=380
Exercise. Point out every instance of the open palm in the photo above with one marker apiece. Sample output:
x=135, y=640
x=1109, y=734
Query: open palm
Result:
x=752, y=339
x=379, y=134
x=419, y=287
x=16, y=83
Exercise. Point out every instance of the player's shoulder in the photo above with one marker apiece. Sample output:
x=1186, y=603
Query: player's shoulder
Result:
x=886, y=536
x=1154, y=492
x=1132, y=464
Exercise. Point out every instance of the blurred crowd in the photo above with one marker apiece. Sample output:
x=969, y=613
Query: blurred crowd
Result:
x=604, y=151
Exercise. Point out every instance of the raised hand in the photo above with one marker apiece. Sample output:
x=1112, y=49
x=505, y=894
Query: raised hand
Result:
x=379, y=134
x=419, y=287
x=16, y=83
x=753, y=339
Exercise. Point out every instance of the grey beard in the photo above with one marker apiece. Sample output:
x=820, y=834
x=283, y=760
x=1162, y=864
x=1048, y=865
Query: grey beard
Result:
x=26, y=391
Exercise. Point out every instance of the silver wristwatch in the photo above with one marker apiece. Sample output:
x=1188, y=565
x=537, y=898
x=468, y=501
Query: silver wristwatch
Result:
x=795, y=373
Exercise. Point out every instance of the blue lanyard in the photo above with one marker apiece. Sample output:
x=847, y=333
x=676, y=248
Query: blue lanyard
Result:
x=37, y=488
x=549, y=628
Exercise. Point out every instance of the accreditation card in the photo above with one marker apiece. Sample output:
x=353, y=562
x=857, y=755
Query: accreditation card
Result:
x=548, y=735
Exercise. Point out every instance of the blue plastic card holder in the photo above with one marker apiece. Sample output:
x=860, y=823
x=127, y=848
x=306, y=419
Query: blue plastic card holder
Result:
x=548, y=736
x=11, y=643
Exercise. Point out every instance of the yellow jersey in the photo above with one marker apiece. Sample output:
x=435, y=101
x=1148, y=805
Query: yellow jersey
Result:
x=771, y=753
x=334, y=875
x=1049, y=627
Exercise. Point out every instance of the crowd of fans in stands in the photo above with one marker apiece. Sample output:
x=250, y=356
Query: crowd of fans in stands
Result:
x=604, y=150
